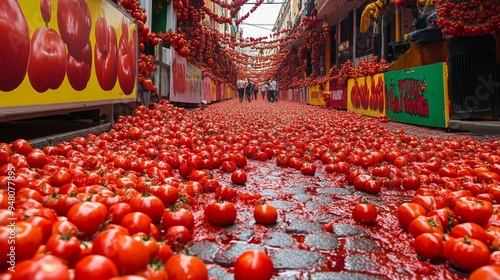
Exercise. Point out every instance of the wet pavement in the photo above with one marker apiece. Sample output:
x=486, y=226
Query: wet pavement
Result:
x=315, y=236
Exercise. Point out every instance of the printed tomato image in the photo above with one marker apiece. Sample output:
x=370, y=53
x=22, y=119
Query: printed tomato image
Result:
x=127, y=58
x=74, y=21
x=15, y=46
x=47, y=63
x=105, y=54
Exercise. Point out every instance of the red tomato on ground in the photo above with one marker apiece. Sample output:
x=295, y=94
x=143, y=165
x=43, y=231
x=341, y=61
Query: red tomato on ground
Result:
x=239, y=177
x=364, y=213
x=265, y=214
x=180, y=267
x=221, y=213
x=253, y=265
x=429, y=246
x=95, y=267
x=87, y=217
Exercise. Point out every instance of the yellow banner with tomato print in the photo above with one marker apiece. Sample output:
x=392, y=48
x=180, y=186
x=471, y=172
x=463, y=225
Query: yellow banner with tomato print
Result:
x=65, y=54
x=366, y=95
x=316, y=96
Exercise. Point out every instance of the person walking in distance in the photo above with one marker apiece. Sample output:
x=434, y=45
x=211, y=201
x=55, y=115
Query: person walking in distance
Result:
x=274, y=89
x=270, y=93
x=255, y=91
x=249, y=89
x=240, y=84
x=263, y=90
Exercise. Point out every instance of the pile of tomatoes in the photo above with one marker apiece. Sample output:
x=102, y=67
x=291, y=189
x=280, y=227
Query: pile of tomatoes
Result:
x=81, y=208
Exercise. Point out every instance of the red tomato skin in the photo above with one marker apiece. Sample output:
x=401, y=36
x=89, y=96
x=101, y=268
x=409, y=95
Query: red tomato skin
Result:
x=469, y=254
x=239, y=177
x=265, y=214
x=364, y=213
x=87, y=216
x=487, y=272
x=180, y=267
x=95, y=267
x=409, y=211
x=221, y=213
x=253, y=265
x=429, y=245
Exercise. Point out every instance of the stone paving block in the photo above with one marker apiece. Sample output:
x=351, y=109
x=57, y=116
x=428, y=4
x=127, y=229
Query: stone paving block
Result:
x=313, y=205
x=269, y=193
x=362, y=244
x=302, y=197
x=295, y=259
x=229, y=256
x=205, y=250
x=323, y=200
x=239, y=232
x=278, y=239
x=322, y=241
x=282, y=204
x=342, y=230
x=293, y=190
x=301, y=226
x=342, y=276
x=324, y=218
x=361, y=262
x=220, y=273
x=336, y=191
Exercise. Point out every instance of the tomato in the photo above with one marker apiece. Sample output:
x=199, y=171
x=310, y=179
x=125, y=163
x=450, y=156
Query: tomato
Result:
x=409, y=211
x=471, y=230
x=47, y=63
x=28, y=238
x=22, y=147
x=308, y=169
x=239, y=159
x=282, y=160
x=411, y=182
x=105, y=54
x=451, y=198
x=430, y=203
x=177, y=217
x=224, y=192
x=150, y=243
x=149, y=205
x=48, y=267
x=95, y=267
x=37, y=158
x=429, y=246
x=60, y=177
x=164, y=252
x=423, y=224
x=155, y=271
x=469, y=254
x=177, y=236
x=136, y=222
x=239, y=177
x=87, y=217
x=168, y=194
x=473, y=210
x=253, y=264
x=14, y=56
x=64, y=246
x=119, y=248
x=228, y=166
x=117, y=211
x=265, y=214
x=220, y=213
x=180, y=266
x=364, y=213
x=487, y=272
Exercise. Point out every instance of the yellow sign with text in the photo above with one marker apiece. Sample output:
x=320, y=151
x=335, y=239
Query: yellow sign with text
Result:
x=316, y=96
x=366, y=95
x=73, y=52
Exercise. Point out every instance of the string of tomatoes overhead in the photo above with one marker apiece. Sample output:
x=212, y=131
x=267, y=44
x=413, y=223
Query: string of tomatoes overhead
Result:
x=468, y=18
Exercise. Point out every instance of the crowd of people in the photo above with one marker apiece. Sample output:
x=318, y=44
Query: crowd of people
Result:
x=249, y=90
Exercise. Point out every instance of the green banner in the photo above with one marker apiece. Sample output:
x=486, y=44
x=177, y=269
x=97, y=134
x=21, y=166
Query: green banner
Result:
x=418, y=95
